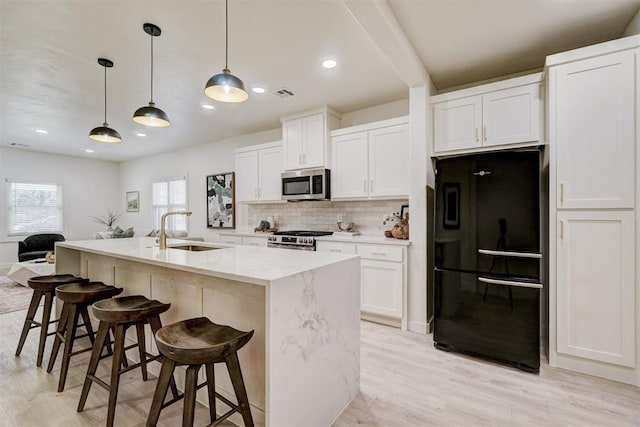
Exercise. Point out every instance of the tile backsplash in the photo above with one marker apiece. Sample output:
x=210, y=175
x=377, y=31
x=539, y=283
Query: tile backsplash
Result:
x=322, y=215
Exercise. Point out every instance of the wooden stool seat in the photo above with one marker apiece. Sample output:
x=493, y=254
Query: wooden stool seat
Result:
x=128, y=309
x=200, y=341
x=43, y=286
x=51, y=282
x=86, y=293
x=118, y=314
x=197, y=342
x=76, y=298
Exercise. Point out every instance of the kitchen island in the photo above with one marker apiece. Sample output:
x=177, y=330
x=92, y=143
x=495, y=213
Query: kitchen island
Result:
x=302, y=366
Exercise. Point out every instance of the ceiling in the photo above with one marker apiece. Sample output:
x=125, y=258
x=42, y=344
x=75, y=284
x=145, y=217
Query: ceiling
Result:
x=50, y=78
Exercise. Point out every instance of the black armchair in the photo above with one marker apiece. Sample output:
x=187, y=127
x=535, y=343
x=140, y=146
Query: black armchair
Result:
x=37, y=246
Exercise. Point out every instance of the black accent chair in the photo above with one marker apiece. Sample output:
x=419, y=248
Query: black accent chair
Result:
x=37, y=245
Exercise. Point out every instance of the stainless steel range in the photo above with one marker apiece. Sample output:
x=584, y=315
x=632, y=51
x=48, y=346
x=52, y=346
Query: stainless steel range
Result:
x=296, y=239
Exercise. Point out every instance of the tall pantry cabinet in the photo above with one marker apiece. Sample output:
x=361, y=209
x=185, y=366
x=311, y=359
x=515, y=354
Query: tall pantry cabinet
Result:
x=594, y=164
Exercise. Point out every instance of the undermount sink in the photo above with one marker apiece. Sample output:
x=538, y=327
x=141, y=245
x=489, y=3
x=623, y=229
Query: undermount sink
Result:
x=193, y=248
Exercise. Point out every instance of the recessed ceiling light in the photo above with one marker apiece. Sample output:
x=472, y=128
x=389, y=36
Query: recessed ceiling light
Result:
x=141, y=134
x=208, y=106
x=88, y=150
x=329, y=63
x=42, y=131
x=258, y=89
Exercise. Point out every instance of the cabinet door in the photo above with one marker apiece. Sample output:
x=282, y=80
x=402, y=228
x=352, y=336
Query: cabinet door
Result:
x=270, y=171
x=389, y=156
x=511, y=116
x=381, y=287
x=255, y=241
x=456, y=124
x=314, y=138
x=596, y=286
x=349, y=177
x=247, y=176
x=595, y=131
x=292, y=148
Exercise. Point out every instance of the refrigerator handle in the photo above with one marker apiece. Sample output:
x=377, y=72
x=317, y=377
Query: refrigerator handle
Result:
x=509, y=253
x=509, y=283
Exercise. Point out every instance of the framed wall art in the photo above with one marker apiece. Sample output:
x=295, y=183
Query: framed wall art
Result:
x=133, y=201
x=221, y=212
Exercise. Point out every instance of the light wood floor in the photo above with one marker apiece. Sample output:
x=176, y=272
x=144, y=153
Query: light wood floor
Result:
x=404, y=382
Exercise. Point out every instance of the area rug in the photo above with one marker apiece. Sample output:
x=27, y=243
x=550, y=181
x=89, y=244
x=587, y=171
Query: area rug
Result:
x=13, y=296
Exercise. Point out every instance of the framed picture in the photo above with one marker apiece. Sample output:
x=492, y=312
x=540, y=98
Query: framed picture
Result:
x=221, y=211
x=404, y=211
x=133, y=201
x=451, y=199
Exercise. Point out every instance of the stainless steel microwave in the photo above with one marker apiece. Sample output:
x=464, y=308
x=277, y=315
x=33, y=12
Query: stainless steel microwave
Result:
x=309, y=184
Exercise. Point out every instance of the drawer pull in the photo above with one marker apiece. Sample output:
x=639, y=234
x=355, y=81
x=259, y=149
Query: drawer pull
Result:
x=335, y=250
x=379, y=253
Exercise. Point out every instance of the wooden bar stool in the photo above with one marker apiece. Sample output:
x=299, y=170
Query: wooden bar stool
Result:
x=196, y=342
x=76, y=298
x=119, y=314
x=43, y=286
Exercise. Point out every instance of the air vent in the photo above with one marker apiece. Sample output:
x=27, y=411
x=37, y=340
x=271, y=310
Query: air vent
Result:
x=17, y=144
x=284, y=93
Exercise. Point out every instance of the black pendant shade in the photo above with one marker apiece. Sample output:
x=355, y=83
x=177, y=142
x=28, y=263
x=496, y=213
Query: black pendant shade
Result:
x=226, y=87
x=104, y=133
x=151, y=115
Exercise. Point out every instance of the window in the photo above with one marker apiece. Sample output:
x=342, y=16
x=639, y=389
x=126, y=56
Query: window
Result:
x=34, y=208
x=170, y=195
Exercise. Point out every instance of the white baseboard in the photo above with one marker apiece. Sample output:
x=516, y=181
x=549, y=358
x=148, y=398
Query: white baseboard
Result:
x=419, y=327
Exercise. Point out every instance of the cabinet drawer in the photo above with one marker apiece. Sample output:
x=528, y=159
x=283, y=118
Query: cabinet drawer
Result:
x=341, y=247
x=255, y=241
x=232, y=240
x=380, y=252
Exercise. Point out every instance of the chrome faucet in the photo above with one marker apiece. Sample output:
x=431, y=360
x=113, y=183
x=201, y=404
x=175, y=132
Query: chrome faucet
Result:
x=162, y=239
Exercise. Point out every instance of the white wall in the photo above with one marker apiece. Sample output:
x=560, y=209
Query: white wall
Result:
x=373, y=114
x=634, y=26
x=89, y=187
x=195, y=163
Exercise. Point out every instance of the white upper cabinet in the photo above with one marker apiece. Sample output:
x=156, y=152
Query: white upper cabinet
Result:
x=595, y=132
x=304, y=138
x=258, y=172
x=370, y=161
x=492, y=115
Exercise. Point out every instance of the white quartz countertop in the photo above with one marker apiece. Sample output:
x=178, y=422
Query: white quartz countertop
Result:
x=380, y=240
x=251, y=264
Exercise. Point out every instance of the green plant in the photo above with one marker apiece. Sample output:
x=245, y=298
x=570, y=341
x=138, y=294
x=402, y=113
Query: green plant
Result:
x=109, y=218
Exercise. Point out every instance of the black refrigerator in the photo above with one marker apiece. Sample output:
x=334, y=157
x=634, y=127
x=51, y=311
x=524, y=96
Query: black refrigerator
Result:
x=488, y=258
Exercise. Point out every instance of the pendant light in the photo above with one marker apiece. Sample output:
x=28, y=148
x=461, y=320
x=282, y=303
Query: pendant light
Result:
x=104, y=133
x=151, y=115
x=226, y=87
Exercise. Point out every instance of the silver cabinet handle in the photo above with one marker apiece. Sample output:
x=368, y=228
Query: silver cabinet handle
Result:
x=477, y=135
x=509, y=283
x=254, y=244
x=229, y=241
x=371, y=186
x=365, y=185
x=509, y=253
x=335, y=250
x=486, y=133
x=561, y=192
x=561, y=229
x=379, y=253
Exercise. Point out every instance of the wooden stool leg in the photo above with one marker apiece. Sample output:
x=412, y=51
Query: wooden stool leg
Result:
x=44, y=328
x=125, y=364
x=87, y=323
x=118, y=355
x=211, y=388
x=62, y=326
x=190, y=388
x=155, y=324
x=33, y=307
x=235, y=373
x=69, y=337
x=166, y=377
x=142, y=351
x=101, y=337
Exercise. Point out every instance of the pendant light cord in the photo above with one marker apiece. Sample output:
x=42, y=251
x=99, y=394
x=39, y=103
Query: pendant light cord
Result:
x=151, y=67
x=105, y=95
x=226, y=34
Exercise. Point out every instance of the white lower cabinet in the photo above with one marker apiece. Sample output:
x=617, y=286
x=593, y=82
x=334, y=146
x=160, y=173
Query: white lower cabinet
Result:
x=381, y=290
x=255, y=241
x=596, y=301
x=231, y=240
x=383, y=279
x=244, y=240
